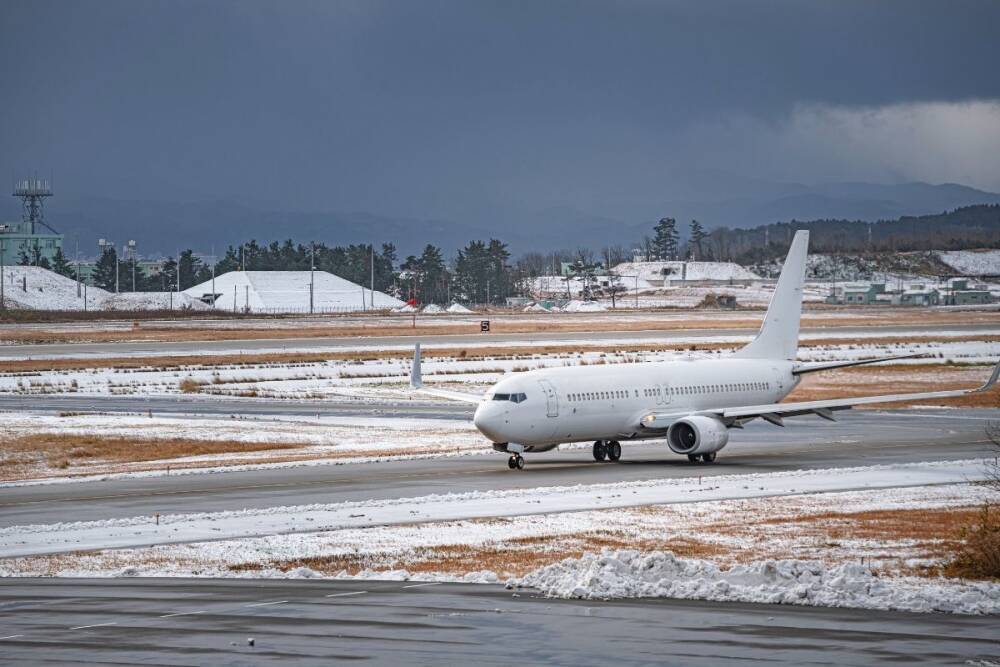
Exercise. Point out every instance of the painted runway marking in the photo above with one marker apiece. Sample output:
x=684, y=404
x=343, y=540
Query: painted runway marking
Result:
x=11, y=637
x=264, y=604
x=95, y=625
x=183, y=613
x=343, y=595
x=427, y=583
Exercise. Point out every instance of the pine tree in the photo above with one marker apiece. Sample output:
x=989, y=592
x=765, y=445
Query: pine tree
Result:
x=103, y=274
x=187, y=268
x=61, y=265
x=168, y=275
x=698, y=236
x=665, y=239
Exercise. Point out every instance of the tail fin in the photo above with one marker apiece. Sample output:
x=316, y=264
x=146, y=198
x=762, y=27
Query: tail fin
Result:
x=779, y=335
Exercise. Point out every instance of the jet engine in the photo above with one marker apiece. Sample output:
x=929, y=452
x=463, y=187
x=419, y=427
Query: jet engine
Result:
x=697, y=435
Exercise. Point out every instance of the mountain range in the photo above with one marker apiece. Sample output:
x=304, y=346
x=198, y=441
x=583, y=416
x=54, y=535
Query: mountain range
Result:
x=163, y=227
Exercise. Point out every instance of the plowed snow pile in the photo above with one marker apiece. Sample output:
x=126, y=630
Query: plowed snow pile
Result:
x=631, y=574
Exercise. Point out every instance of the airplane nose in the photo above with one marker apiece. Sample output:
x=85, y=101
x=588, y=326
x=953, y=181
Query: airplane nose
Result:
x=485, y=420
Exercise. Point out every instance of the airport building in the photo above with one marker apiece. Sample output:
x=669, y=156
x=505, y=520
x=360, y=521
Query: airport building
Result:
x=27, y=238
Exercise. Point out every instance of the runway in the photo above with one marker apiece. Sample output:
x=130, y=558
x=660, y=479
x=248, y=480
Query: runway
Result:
x=209, y=622
x=216, y=407
x=859, y=439
x=277, y=345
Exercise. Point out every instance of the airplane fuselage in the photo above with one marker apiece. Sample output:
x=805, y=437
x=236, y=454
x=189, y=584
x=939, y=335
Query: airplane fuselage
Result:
x=543, y=408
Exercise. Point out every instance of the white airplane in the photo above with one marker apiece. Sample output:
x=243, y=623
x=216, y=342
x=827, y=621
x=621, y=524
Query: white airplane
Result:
x=693, y=403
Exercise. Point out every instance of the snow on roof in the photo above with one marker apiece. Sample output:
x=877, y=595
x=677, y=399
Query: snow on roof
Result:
x=288, y=291
x=693, y=271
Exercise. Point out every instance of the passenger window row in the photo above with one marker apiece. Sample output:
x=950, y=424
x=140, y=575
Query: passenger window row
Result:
x=652, y=392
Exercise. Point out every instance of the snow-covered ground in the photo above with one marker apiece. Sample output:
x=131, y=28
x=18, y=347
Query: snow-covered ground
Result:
x=762, y=554
x=973, y=262
x=35, y=288
x=309, y=441
x=658, y=271
x=145, y=530
x=289, y=292
x=387, y=378
x=631, y=573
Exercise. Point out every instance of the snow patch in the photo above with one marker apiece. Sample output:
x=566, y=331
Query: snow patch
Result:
x=633, y=574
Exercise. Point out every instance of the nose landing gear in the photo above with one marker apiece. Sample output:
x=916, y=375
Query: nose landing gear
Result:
x=516, y=461
x=607, y=449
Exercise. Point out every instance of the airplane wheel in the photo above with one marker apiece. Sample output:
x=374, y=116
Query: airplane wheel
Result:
x=600, y=450
x=519, y=462
x=694, y=458
x=512, y=463
x=708, y=458
x=614, y=450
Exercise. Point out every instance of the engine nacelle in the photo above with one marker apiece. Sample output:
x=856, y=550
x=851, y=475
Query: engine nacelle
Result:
x=697, y=435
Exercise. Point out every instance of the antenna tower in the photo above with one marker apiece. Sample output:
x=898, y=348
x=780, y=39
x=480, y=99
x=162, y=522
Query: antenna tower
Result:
x=32, y=193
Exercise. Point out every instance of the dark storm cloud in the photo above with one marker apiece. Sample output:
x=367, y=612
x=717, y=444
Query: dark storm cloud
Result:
x=457, y=109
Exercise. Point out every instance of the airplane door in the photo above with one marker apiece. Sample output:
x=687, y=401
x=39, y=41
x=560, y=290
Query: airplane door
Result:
x=551, y=400
x=666, y=393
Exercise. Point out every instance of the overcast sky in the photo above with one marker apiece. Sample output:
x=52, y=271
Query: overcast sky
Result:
x=426, y=108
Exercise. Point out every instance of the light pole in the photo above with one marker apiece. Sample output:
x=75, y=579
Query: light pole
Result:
x=312, y=276
x=2, y=249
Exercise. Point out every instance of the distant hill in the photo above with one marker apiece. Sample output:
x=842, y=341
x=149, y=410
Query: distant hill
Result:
x=722, y=201
x=963, y=228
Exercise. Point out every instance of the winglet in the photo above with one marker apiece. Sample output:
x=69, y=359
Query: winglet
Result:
x=415, y=380
x=992, y=381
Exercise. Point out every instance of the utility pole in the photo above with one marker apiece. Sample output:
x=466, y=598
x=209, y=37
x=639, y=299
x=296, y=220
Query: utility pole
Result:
x=372, y=283
x=2, y=271
x=131, y=247
x=117, y=264
x=213, y=276
x=312, y=274
x=78, y=269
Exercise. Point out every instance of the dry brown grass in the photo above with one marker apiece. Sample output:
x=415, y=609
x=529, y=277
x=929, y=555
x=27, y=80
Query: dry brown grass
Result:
x=513, y=557
x=899, y=379
x=501, y=323
x=70, y=450
x=468, y=354
x=977, y=553
x=189, y=386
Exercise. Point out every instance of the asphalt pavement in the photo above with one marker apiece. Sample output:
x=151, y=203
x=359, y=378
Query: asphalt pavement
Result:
x=317, y=622
x=860, y=438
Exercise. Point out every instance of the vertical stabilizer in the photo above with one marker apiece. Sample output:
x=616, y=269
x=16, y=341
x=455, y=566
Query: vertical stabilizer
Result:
x=779, y=335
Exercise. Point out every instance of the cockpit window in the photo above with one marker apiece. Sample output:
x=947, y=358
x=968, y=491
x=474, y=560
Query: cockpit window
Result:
x=513, y=398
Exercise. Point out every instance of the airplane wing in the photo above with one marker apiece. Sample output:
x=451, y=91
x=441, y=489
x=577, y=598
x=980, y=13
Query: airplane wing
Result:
x=776, y=412
x=417, y=384
x=802, y=369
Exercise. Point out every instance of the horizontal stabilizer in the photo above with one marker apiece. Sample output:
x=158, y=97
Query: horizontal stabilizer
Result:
x=802, y=369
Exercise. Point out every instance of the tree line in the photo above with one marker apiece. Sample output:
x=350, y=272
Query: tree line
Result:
x=484, y=271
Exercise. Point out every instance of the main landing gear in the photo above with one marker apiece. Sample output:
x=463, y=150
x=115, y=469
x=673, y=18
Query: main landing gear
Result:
x=703, y=458
x=607, y=449
x=516, y=461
